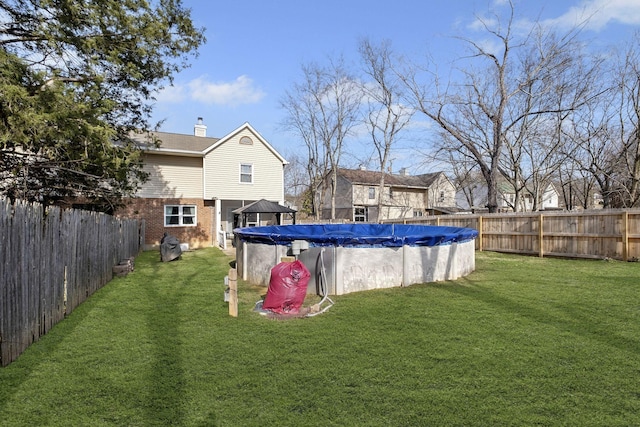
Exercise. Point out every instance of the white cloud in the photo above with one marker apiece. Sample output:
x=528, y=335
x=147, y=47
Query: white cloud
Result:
x=240, y=91
x=171, y=94
x=596, y=14
x=482, y=22
x=237, y=92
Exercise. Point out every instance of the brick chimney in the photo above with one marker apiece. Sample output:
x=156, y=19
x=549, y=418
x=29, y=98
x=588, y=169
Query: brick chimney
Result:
x=200, y=129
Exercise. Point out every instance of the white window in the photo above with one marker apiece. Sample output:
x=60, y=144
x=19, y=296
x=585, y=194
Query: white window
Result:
x=417, y=213
x=360, y=214
x=372, y=193
x=180, y=216
x=246, y=173
x=442, y=196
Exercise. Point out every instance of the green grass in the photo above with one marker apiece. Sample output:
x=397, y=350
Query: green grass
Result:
x=522, y=341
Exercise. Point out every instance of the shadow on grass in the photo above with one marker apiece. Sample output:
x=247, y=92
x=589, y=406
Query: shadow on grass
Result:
x=577, y=323
x=168, y=288
x=166, y=377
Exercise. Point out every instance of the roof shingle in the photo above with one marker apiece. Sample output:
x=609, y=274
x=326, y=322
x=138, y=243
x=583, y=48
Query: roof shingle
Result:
x=176, y=141
x=264, y=206
x=359, y=176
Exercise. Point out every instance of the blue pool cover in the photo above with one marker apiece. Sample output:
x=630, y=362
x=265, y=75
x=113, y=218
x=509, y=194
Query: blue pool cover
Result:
x=357, y=235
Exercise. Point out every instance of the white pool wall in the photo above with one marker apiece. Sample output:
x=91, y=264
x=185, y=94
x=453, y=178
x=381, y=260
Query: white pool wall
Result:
x=354, y=269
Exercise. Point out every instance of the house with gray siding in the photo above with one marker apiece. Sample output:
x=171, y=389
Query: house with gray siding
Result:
x=403, y=196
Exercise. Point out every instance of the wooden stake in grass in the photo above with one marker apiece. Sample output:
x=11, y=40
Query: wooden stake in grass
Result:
x=233, y=292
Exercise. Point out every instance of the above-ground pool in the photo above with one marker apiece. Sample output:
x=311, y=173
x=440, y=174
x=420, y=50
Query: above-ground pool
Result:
x=358, y=257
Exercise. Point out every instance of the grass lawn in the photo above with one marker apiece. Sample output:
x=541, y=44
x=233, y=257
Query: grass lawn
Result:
x=522, y=341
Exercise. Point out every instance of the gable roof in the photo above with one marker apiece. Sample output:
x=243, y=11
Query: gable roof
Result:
x=191, y=145
x=366, y=177
x=264, y=206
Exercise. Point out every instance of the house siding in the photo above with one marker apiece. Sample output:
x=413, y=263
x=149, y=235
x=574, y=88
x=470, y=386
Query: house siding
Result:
x=361, y=195
x=222, y=171
x=344, y=195
x=402, y=205
x=343, y=203
x=403, y=196
x=442, y=185
x=172, y=176
x=412, y=198
x=204, y=172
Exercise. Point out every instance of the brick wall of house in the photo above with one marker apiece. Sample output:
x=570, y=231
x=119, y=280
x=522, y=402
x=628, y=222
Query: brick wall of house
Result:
x=152, y=211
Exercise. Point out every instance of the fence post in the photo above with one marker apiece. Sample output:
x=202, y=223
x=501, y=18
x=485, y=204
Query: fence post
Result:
x=480, y=233
x=540, y=236
x=233, y=292
x=625, y=236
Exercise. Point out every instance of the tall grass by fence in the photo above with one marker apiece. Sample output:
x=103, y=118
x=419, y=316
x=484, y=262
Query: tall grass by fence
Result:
x=587, y=234
x=51, y=260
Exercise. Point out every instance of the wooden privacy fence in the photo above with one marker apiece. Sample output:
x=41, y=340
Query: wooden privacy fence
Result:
x=51, y=260
x=588, y=234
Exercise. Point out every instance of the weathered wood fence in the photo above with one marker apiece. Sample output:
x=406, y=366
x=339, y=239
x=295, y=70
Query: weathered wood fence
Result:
x=588, y=234
x=51, y=260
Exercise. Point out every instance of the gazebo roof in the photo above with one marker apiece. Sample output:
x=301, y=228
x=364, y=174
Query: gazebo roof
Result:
x=263, y=206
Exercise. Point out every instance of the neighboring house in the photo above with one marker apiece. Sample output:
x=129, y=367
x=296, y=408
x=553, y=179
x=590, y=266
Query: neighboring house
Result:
x=196, y=182
x=549, y=199
x=404, y=196
x=580, y=194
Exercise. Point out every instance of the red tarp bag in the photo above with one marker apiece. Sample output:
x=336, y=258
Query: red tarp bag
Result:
x=287, y=288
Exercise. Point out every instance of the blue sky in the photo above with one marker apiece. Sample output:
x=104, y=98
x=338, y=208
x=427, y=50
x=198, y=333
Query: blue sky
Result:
x=255, y=50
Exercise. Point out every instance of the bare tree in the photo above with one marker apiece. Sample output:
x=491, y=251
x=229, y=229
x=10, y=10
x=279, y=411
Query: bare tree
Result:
x=322, y=111
x=577, y=184
x=465, y=178
x=605, y=137
x=591, y=151
x=296, y=179
x=625, y=131
x=385, y=116
x=302, y=120
x=502, y=92
x=539, y=139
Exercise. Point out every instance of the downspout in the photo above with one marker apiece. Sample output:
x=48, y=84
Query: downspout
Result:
x=283, y=191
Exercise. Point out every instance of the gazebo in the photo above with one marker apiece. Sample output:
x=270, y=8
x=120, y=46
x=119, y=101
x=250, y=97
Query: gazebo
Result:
x=261, y=206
